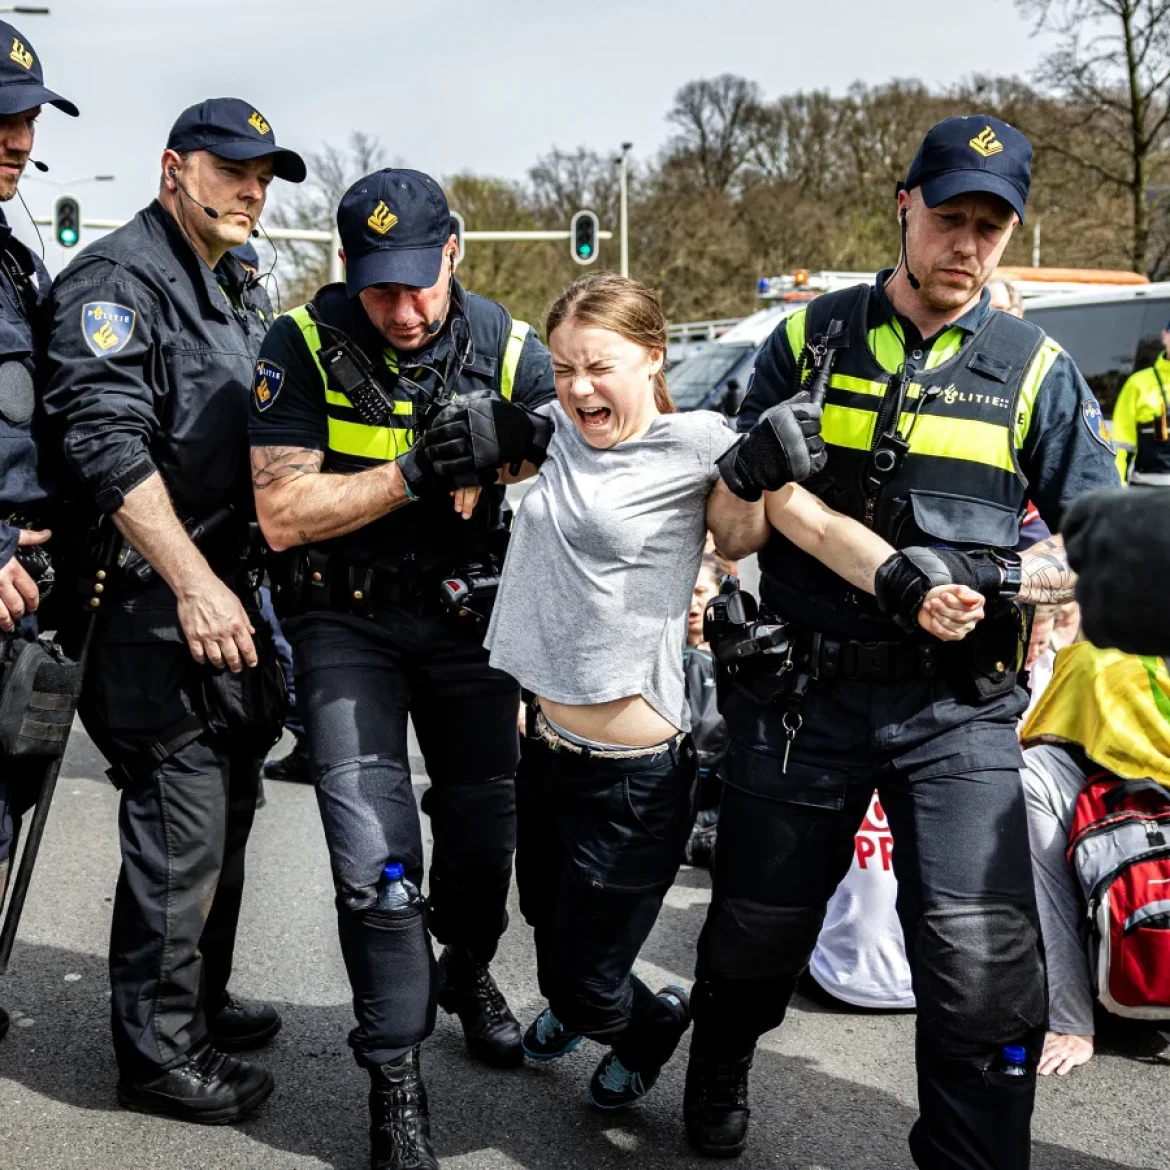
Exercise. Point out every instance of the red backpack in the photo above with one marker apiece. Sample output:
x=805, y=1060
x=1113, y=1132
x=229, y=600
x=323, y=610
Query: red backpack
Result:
x=1119, y=848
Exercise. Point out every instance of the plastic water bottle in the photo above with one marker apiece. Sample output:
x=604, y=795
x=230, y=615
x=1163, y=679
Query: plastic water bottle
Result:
x=1015, y=1061
x=396, y=892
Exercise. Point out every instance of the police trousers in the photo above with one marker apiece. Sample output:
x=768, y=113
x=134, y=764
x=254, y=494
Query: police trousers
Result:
x=20, y=784
x=183, y=827
x=357, y=681
x=948, y=777
x=600, y=841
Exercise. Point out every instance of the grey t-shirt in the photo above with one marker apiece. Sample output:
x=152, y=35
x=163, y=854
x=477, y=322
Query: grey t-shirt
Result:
x=604, y=554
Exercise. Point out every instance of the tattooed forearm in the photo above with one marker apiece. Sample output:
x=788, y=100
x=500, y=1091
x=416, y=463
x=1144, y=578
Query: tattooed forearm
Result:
x=297, y=503
x=272, y=464
x=1046, y=576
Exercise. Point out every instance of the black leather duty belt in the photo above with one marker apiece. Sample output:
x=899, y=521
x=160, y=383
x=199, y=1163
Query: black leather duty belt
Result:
x=361, y=589
x=829, y=658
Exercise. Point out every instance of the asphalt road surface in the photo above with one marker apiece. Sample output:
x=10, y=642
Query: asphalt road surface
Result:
x=829, y=1091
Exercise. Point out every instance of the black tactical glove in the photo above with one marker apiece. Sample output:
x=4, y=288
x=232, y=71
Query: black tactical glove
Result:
x=419, y=474
x=785, y=446
x=904, y=579
x=471, y=439
x=1118, y=543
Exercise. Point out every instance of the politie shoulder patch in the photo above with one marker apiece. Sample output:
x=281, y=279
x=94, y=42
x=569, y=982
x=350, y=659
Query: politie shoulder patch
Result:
x=266, y=384
x=1097, y=425
x=107, y=327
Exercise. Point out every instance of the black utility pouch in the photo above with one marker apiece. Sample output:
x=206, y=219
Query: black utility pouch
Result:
x=39, y=691
x=248, y=708
x=988, y=659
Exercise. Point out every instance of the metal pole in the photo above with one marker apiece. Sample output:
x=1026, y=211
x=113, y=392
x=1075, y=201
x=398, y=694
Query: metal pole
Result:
x=625, y=209
x=1036, y=241
x=336, y=268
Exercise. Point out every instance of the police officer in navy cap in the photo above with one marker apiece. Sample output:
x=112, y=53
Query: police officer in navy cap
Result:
x=24, y=484
x=155, y=330
x=373, y=538
x=941, y=418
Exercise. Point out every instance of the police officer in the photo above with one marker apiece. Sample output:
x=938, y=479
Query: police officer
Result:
x=1141, y=422
x=941, y=417
x=155, y=330
x=344, y=387
x=24, y=488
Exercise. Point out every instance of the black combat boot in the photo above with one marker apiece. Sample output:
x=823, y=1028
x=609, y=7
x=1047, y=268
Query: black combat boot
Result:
x=236, y=1026
x=209, y=1088
x=294, y=767
x=400, y=1122
x=715, y=1105
x=467, y=989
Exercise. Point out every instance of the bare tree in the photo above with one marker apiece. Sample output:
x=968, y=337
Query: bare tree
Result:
x=716, y=119
x=313, y=205
x=1112, y=68
x=564, y=182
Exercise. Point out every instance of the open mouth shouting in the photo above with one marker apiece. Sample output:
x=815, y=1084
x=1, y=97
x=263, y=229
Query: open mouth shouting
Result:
x=593, y=417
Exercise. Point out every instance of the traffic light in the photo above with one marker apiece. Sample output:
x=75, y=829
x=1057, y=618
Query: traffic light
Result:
x=457, y=232
x=67, y=221
x=583, y=237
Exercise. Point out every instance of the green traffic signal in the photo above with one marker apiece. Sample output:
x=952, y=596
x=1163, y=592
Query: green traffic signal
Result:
x=67, y=221
x=68, y=237
x=583, y=230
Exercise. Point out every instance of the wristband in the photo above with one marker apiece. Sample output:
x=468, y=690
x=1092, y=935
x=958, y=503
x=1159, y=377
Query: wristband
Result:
x=1010, y=566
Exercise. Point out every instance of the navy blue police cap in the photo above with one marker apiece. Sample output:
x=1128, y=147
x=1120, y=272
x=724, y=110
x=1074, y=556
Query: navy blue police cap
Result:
x=235, y=130
x=393, y=225
x=22, y=81
x=973, y=153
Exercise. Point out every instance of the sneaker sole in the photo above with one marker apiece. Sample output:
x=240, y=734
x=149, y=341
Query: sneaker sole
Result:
x=227, y=1115
x=614, y=1108
x=246, y=1043
x=550, y=1055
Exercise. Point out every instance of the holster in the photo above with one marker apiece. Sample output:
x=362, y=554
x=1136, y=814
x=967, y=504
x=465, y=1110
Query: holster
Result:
x=39, y=692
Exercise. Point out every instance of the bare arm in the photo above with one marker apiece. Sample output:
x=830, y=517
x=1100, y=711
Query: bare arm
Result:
x=1045, y=576
x=855, y=553
x=211, y=615
x=297, y=503
x=740, y=528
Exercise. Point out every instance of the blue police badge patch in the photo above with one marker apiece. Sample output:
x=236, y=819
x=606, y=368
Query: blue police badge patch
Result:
x=1097, y=425
x=107, y=327
x=266, y=384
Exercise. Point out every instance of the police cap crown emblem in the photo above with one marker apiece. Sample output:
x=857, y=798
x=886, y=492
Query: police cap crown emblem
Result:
x=382, y=219
x=986, y=143
x=258, y=123
x=20, y=54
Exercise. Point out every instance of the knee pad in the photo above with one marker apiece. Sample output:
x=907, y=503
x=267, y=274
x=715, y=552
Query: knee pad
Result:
x=979, y=981
x=392, y=974
x=370, y=819
x=749, y=940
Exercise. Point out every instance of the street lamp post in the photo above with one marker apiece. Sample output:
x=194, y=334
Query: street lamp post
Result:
x=1036, y=235
x=624, y=229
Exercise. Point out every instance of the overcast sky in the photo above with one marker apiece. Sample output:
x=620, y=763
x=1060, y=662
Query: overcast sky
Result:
x=453, y=85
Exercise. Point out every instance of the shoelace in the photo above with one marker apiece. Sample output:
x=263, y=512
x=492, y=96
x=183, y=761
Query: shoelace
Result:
x=547, y=1026
x=619, y=1079
x=490, y=995
x=724, y=1084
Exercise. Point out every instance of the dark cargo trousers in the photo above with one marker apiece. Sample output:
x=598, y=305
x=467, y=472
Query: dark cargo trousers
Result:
x=183, y=827
x=948, y=776
x=357, y=681
x=600, y=841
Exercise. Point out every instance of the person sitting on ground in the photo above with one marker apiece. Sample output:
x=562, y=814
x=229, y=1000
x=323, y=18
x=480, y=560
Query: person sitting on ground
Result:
x=1100, y=712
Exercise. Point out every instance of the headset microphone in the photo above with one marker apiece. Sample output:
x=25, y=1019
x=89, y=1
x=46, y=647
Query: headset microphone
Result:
x=42, y=167
x=915, y=284
x=210, y=212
